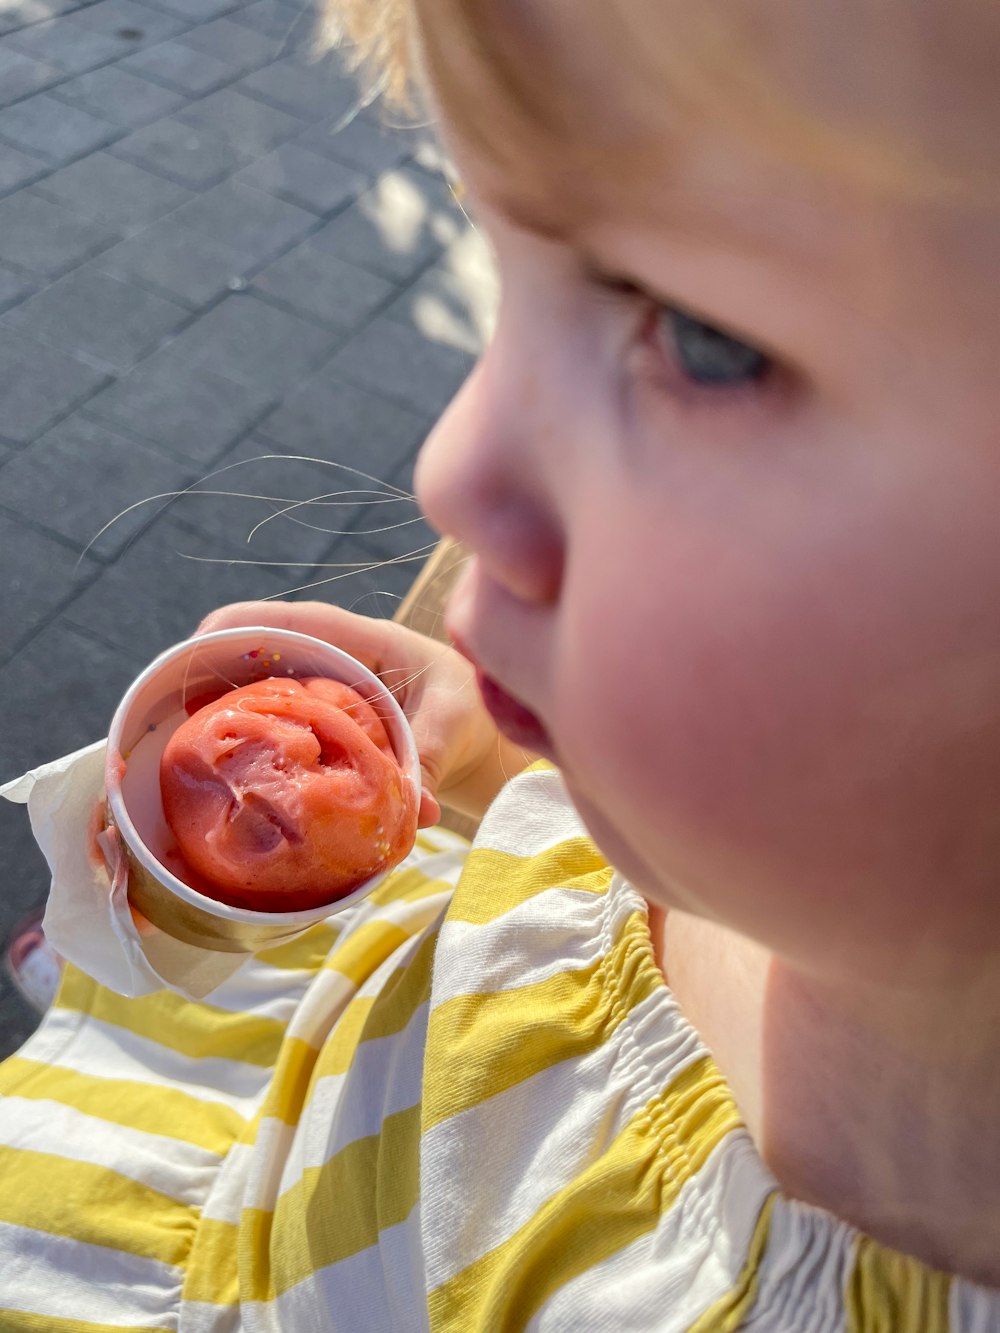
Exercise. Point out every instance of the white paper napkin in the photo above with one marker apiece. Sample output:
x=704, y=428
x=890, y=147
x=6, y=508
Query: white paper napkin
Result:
x=87, y=918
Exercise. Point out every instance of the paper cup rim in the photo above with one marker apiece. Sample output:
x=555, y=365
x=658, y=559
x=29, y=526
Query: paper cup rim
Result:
x=409, y=762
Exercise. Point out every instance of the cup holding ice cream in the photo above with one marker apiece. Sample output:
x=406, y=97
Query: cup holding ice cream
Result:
x=259, y=780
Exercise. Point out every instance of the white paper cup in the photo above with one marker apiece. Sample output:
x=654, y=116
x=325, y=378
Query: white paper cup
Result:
x=145, y=719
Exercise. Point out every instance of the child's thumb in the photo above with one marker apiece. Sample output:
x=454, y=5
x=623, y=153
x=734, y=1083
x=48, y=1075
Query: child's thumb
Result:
x=429, y=811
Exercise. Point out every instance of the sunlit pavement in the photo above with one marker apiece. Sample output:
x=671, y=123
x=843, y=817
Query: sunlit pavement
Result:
x=213, y=269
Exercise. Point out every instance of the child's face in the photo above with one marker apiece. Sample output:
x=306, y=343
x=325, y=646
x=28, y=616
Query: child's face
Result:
x=750, y=586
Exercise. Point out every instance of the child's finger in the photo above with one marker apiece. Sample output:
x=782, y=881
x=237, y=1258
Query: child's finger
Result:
x=429, y=812
x=361, y=636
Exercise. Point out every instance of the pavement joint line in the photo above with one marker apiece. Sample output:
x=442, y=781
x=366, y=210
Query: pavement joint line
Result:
x=47, y=279
x=271, y=105
x=78, y=549
x=7, y=306
x=136, y=437
x=168, y=175
x=74, y=406
x=154, y=289
x=288, y=308
x=57, y=166
x=36, y=526
x=395, y=399
x=38, y=186
x=70, y=74
x=212, y=465
x=159, y=81
x=30, y=181
x=172, y=13
x=246, y=273
x=8, y=654
x=111, y=372
x=89, y=633
x=295, y=201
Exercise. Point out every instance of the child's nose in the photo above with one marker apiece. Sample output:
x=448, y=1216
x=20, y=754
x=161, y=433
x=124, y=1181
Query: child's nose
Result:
x=479, y=479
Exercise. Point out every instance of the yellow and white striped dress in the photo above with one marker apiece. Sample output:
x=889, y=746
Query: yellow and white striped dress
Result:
x=469, y=1105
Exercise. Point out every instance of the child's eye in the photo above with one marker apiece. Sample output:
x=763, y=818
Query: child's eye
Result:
x=708, y=356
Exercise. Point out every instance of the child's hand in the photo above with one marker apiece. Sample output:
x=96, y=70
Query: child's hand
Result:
x=463, y=758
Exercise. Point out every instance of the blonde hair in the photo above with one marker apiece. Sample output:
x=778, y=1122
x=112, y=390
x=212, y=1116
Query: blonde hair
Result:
x=711, y=68
x=378, y=38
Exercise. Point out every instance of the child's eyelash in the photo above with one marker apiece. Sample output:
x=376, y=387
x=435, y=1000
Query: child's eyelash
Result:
x=741, y=371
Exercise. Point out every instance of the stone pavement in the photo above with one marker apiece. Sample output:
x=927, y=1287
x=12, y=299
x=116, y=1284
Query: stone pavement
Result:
x=213, y=269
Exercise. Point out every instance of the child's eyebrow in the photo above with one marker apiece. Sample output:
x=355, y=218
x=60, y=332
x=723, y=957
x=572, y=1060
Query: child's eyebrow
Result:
x=727, y=227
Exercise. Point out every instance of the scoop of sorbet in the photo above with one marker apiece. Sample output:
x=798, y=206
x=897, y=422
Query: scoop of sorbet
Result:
x=286, y=794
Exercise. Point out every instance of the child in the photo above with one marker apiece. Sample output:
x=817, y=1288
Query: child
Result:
x=728, y=472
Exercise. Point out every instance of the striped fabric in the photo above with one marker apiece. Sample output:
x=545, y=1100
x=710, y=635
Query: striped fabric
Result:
x=468, y=1105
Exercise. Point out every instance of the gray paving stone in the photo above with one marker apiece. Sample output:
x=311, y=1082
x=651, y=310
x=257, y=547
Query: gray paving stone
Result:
x=108, y=321
x=119, y=96
x=21, y=13
x=455, y=300
x=80, y=476
x=398, y=361
x=52, y=130
x=190, y=156
x=394, y=555
x=44, y=575
x=239, y=47
x=26, y=888
x=395, y=528
x=304, y=178
x=66, y=44
x=361, y=143
x=268, y=507
x=128, y=22
x=397, y=227
x=179, y=67
x=20, y=75
x=404, y=476
x=436, y=307
x=59, y=694
x=114, y=191
x=254, y=344
x=17, y=169
x=375, y=587
x=44, y=238
x=315, y=284
x=156, y=594
x=331, y=419
x=256, y=225
x=239, y=120
x=311, y=89
x=286, y=23
x=176, y=262
x=13, y=288
x=186, y=409
x=197, y=11
x=38, y=385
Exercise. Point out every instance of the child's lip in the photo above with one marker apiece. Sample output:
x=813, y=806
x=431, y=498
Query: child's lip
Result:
x=514, y=718
x=517, y=722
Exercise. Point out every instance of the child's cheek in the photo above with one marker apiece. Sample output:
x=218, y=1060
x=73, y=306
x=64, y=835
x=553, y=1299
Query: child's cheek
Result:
x=719, y=723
